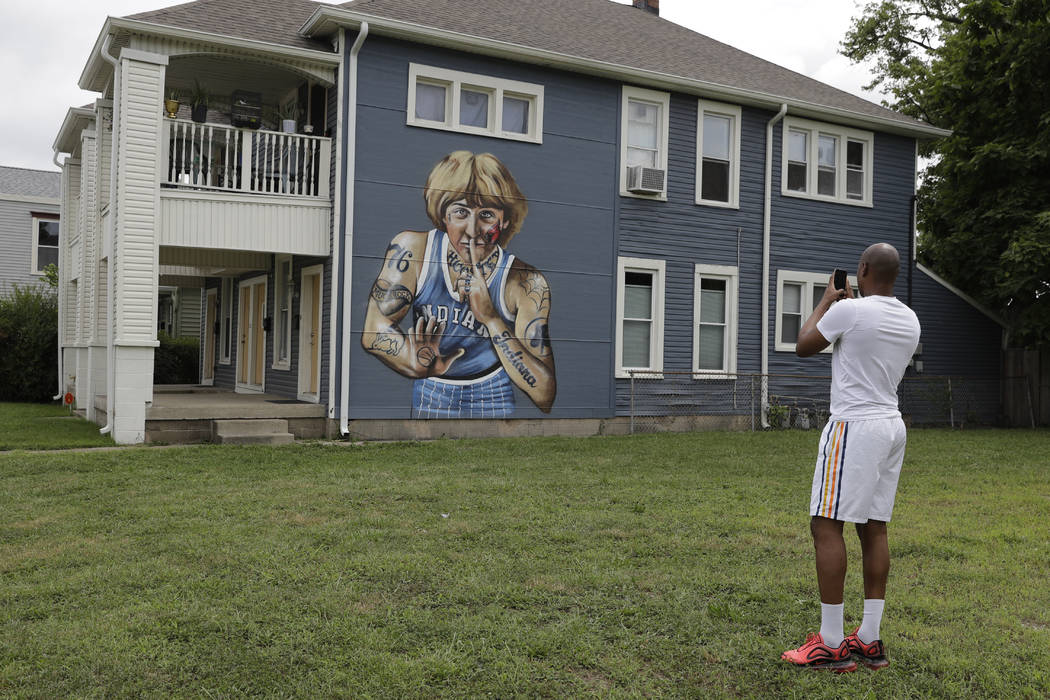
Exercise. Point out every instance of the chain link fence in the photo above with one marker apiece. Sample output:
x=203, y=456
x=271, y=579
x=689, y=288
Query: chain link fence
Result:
x=681, y=401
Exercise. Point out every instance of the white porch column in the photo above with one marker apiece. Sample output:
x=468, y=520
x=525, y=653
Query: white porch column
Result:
x=135, y=247
x=88, y=293
x=67, y=287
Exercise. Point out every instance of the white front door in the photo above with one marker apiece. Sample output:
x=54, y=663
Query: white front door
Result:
x=310, y=334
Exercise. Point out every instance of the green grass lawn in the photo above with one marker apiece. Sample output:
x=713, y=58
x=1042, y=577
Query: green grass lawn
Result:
x=34, y=426
x=661, y=565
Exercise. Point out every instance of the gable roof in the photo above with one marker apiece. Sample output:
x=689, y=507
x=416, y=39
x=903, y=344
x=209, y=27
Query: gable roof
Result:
x=272, y=21
x=604, y=33
x=29, y=183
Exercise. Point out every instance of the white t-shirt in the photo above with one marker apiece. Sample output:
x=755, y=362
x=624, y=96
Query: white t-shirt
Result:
x=874, y=339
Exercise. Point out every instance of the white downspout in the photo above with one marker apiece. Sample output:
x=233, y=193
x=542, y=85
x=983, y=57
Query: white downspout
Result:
x=111, y=370
x=348, y=230
x=765, y=261
x=337, y=237
x=61, y=304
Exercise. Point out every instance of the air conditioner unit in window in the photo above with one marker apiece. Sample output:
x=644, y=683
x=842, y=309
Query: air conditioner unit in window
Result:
x=643, y=180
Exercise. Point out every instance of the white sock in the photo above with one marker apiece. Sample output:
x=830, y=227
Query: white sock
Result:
x=869, y=626
x=831, y=624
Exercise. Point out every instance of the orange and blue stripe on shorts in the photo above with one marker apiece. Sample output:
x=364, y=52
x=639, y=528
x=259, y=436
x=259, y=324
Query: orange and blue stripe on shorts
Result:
x=834, y=458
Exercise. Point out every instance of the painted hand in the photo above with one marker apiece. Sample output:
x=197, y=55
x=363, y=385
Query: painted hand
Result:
x=424, y=340
x=474, y=288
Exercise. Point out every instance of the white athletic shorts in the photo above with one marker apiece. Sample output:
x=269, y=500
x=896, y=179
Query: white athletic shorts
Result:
x=858, y=465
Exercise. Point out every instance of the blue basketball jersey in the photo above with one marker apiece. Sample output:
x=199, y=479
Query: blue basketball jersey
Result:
x=436, y=297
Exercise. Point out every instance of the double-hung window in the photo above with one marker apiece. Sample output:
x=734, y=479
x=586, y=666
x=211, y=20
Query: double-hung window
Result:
x=282, y=337
x=798, y=293
x=827, y=162
x=45, y=242
x=718, y=154
x=474, y=104
x=644, y=125
x=715, y=319
x=640, y=315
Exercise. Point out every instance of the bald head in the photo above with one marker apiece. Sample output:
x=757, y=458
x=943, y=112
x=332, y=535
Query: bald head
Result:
x=884, y=262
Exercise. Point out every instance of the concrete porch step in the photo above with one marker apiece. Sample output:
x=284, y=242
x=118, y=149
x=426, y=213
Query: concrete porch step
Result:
x=252, y=431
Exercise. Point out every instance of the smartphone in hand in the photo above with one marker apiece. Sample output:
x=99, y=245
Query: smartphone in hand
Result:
x=840, y=279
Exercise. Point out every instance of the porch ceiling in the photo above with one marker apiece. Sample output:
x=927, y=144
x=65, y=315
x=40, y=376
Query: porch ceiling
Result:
x=200, y=262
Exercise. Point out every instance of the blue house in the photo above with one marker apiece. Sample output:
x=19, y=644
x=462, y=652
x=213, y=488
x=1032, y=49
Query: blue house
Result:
x=653, y=213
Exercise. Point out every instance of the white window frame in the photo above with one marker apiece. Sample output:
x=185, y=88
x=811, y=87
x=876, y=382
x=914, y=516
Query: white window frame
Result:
x=663, y=101
x=814, y=131
x=731, y=275
x=226, y=329
x=37, y=220
x=287, y=288
x=658, y=269
x=807, y=280
x=454, y=81
x=733, y=113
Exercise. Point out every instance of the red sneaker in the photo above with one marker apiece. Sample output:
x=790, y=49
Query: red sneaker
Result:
x=815, y=654
x=871, y=655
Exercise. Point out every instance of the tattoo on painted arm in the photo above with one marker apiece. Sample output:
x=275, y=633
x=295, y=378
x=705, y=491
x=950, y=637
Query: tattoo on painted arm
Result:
x=388, y=341
x=535, y=288
x=537, y=335
x=390, y=299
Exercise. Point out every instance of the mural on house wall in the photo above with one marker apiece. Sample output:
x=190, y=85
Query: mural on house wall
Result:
x=479, y=320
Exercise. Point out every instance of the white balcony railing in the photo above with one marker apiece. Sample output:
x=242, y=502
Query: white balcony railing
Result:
x=231, y=159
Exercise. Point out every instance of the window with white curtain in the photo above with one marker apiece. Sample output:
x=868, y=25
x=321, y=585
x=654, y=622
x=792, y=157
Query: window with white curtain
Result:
x=827, y=162
x=715, y=319
x=639, y=313
x=643, y=133
x=439, y=98
x=718, y=154
x=798, y=293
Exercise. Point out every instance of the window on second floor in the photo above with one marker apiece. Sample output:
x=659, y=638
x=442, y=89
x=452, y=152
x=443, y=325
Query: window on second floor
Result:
x=644, y=125
x=639, y=314
x=45, y=242
x=718, y=155
x=439, y=98
x=715, y=319
x=798, y=293
x=827, y=162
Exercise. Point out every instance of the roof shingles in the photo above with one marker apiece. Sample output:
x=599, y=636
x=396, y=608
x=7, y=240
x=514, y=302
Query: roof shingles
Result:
x=29, y=183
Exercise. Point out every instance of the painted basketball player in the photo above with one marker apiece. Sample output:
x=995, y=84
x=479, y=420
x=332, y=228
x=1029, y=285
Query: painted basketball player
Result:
x=479, y=314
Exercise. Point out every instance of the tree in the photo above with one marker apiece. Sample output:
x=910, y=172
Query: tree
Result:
x=982, y=69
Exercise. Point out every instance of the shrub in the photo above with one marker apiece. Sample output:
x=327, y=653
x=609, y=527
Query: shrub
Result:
x=28, y=343
x=176, y=360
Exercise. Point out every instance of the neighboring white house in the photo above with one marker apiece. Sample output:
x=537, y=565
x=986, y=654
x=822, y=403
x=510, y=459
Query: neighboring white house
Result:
x=29, y=225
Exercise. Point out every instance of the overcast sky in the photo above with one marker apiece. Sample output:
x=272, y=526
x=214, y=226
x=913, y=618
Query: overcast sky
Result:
x=44, y=45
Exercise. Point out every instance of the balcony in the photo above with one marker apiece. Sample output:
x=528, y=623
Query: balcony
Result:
x=230, y=159
x=224, y=187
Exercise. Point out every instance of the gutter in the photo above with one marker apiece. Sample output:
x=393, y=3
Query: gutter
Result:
x=327, y=19
x=348, y=231
x=111, y=355
x=61, y=303
x=765, y=260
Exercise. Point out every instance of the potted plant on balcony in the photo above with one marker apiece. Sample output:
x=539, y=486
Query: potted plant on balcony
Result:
x=199, y=100
x=289, y=113
x=171, y=105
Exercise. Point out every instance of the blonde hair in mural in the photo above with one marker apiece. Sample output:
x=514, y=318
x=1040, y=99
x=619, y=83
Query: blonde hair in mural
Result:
x=483, y=181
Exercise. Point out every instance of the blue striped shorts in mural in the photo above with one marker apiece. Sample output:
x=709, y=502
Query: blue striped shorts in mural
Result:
x=857, y=469
x=491, y=396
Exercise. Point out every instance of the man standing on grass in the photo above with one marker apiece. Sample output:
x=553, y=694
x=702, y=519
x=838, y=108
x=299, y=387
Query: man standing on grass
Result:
x=861, y=451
